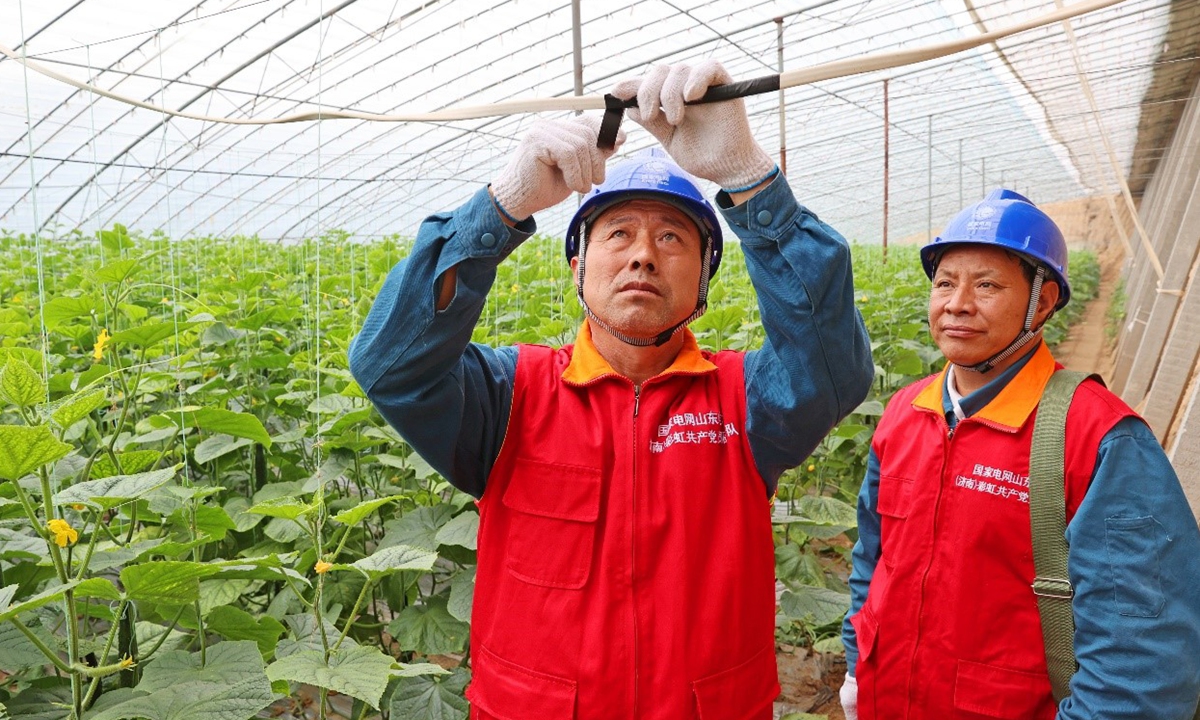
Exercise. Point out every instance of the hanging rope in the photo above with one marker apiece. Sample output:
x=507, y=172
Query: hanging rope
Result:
x=771, y=83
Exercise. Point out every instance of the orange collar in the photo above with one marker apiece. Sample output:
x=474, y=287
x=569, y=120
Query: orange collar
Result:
x=1016, y=401
x=587, y=364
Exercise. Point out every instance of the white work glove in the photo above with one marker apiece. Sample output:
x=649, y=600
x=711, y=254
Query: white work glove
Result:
x=712, y=140
x=554, y=158
x=849, y=697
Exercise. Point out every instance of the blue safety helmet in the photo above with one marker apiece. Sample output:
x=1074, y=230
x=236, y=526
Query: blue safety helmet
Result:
x=650, y=175
x=1008, y=220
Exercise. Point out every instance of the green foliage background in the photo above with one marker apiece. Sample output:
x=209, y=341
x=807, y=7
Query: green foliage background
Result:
x=246, y=524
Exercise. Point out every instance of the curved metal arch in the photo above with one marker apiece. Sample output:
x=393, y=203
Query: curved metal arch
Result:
x=283, y=82
x=196, y=98
x=73, y=94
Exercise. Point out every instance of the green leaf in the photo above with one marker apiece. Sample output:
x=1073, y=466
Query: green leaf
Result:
x=132, y=462
x=219, y=334
x=398, y=557
x=15, y=545
x=98, y=588
x=283, y=507
x=17, y=651
x=822, y=516
x=463, y=531
x=361, y=671
x=236, y=508
x=831, y=644
x=168, y=582
x=306, y=636
x=230, y=685
x=49, y=595
x=331, y=405
x=243, y=425
x=42, y=703
x=218, y=446
x=418, y=527
x=462, y=594
x=870, y=408
x=355, y=515
x=117, y=271
x=24, y=449
x=20, y=385
x=109, y=492
x=429, y=629
x=78, y=406
x=208, y=520
x=150, y=334
x=907, y=362
x=116, y=239
x=235, y=624
x=819, y=606
x=431, y=697
x=62, y=310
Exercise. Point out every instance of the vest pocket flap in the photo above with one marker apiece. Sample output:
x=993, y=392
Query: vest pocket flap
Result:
x=865, y=629
x=895, y=496
x=996, y=692
x=565, y=492
x=508, y=691
x=740, y=692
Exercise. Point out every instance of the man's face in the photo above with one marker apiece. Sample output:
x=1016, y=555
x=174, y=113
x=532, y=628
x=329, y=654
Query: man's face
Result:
x=643, y=267
x=978, y=303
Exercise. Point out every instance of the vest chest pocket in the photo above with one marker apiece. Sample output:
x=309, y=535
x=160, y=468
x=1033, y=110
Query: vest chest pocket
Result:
x=895, y=502
x=552, y=526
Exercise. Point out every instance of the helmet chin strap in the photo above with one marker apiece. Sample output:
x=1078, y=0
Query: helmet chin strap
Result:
x=1028, y=332
x=661, y=338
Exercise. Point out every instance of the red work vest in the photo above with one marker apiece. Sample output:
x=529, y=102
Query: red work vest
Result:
x=950, y=629
x=626, y=566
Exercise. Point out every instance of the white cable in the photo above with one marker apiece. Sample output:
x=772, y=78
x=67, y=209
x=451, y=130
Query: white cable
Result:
x=802, y=76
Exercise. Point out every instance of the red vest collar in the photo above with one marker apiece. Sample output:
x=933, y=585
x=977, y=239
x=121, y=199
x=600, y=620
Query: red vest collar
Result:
x=588, y=365
x=1013, y=406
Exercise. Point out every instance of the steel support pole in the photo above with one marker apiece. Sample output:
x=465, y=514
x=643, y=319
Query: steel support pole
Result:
x=782, y=105
x=577, y=45
x=886, y=169
x=929, y=184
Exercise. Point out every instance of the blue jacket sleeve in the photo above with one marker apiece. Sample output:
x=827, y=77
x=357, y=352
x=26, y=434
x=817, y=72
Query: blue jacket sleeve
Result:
x=864, y=557
x=448, y=398
x=1135, y=563
x=815, y=365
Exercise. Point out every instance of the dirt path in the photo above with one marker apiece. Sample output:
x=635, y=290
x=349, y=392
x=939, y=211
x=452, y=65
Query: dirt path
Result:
x=1086, y=348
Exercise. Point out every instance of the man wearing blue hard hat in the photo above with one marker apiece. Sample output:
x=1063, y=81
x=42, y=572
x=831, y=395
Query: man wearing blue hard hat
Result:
x=625, y=561
x=960, y=606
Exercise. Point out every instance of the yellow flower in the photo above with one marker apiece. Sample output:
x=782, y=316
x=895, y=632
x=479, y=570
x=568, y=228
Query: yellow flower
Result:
x=322, y=567
x=98, y=348
x=80, y=507
x=812, y=468
x=127, y=662
x=516, y=287
x=863, y=299
x=16, y=298
x=64, y=534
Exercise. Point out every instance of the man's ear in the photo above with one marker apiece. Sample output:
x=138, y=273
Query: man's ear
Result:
x=1047, y=300
x=575, y=268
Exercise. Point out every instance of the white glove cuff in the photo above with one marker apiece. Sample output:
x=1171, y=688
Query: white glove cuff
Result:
x=740, y=171
x=511, y=196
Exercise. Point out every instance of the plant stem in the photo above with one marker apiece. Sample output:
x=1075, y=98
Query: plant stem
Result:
x=50, y=654
x=353, y=614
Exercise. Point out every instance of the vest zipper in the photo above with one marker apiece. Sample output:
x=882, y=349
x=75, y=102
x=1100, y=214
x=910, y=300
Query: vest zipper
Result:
x=637, y=396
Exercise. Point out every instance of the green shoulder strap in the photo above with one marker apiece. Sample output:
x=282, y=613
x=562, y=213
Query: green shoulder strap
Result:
x=1048, y=520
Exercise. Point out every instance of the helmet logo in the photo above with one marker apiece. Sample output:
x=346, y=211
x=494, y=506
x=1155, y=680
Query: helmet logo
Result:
x=983, y=212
